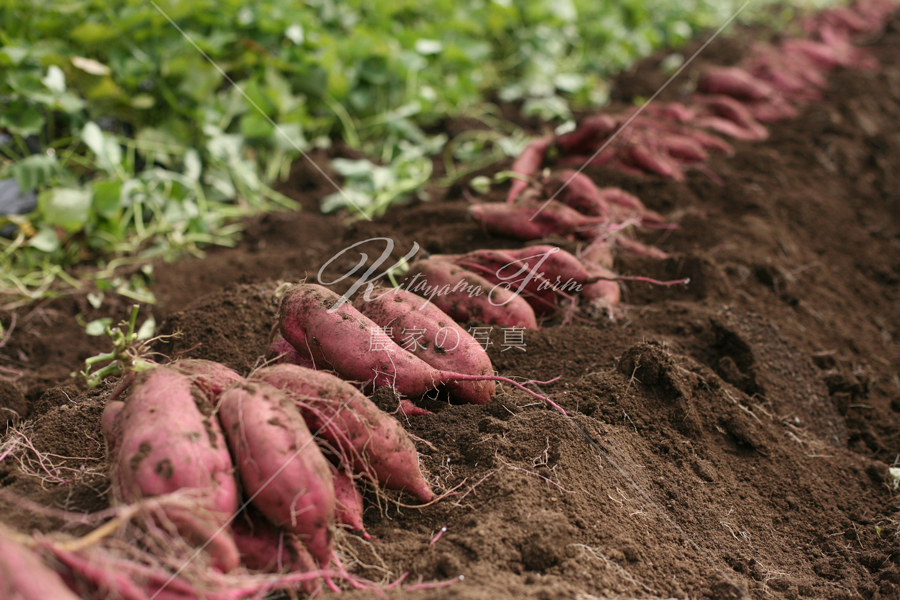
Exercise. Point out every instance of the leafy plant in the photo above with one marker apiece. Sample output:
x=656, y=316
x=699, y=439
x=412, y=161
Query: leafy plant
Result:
x=149, y=129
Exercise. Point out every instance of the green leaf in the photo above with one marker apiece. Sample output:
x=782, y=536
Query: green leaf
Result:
x=22, y=119
x=147, y=330
x=45, y=240
x=255, y=125
x=67, y=207
x=14, y=54
x=34, y=171
x=106, y=149
x=107, y=198
x=98, y=326
x=295, y=33
x=92, y=33
x=426, y=47
x=55, y=80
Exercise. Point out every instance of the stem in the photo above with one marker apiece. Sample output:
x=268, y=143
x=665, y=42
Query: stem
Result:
x=129, y=337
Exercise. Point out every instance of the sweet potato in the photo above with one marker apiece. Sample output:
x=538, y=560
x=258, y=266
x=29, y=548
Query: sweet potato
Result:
x=640, y=155
x=576, y=190
x=542, y=275
x=348, y=501
x=342, y=337
x=734, y=82
x=796, y=78
x=282, y=469
x=374, y=444
x=24, y=576
x=466, y=296
x=670, y=111
x=597, y=252
x=209, y=376
x=632, y=246
x=604, y=294
x=830, y=53
x=281, y=351
x=527, y=165
x=265, y=548
x=440, y=342
x=730, y=128
x=166, y=440
x=772, y=110
x=682, y=148
x=628, y=206
x=587, y=137
x=705, y=140
x=534, y=219
x=733, y=110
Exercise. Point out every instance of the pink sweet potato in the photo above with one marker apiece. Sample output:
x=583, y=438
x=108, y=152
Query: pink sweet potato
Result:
x=576, y=190
x=597, y=252
x=209, y=376
x=527, y=165
x=670, y=111
x=265, y=548
x=435, y=338
x=735, y=82
x=167, y=440
x=636, y=248
x=730, y=128
x=543, y=275
x=795, y=78
x=373, y=443
x=653, y=161
x=682, y=148
x=281, y=351
x=343, y=338
x=348, y=501
x=534, y=219
x=282, y=469
x=24, y=576
x=705, y=140
x=466, y=296
x=588, y=136
x=733, y=110
x=772, y=110
x=107, y=424
x=604, y=294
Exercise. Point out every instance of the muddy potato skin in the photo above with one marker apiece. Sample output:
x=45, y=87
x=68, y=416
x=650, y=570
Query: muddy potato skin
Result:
x=165, y=438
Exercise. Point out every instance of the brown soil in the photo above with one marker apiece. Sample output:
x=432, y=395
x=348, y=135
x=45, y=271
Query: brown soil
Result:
x=724, y=439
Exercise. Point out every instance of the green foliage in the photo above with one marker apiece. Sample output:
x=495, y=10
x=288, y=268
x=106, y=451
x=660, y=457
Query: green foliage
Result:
x=147, y=128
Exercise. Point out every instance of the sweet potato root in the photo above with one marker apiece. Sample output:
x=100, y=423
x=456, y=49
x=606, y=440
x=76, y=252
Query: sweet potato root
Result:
x=342, y=337
x=576, y=190
x=166, y=440
x=534, y=219
x=348, y=502
x=588, y=136
x=433, y=336
x=734, y=82
x=209, y=376
x=527, y=165
x=281, y=467
x=373, y=443
x=281, y=351
x=466, y=296
x=265, y=548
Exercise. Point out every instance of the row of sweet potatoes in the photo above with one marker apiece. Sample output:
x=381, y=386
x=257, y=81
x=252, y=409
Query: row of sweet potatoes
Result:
x=772, y=82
